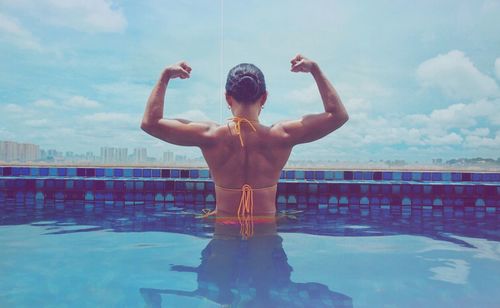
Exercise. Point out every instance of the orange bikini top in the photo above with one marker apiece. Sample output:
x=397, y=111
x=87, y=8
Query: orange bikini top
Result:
x=245, y=207
x=237, y=121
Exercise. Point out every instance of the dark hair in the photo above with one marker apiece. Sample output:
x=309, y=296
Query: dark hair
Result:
x=245, y=83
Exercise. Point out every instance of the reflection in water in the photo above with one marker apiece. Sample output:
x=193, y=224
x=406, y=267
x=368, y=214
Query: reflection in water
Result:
x=249, y=272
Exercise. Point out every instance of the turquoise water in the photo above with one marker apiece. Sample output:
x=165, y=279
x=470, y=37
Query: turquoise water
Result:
x=133, y=257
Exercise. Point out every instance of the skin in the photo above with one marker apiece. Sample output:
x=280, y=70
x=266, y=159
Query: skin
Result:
x=266, y=151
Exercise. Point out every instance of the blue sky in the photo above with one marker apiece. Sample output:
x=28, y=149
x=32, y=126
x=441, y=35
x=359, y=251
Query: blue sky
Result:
x=420, y=80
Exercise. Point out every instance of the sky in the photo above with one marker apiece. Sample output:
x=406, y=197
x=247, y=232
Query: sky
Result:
x=420, y=80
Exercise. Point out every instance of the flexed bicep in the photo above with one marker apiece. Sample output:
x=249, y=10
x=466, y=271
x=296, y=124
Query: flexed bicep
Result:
x=183, y=132
x=311, y=127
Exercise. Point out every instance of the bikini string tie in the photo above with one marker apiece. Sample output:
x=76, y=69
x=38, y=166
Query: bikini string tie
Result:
x=245, y=211
x=237, y=121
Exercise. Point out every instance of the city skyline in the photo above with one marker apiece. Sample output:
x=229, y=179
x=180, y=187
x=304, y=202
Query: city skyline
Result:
x=419, y=80
x=13, y=152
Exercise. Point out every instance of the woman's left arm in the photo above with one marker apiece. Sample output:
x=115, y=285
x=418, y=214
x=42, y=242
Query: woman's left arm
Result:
x=176, y=131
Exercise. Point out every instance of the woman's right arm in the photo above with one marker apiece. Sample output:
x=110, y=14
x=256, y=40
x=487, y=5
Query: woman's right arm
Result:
x=315, y=126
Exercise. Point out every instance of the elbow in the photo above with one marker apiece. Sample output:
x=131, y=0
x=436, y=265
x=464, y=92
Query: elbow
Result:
x=146, y=126
x=345, y=117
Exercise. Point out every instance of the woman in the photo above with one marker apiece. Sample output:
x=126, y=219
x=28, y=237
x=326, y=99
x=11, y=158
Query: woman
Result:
x=245, y=157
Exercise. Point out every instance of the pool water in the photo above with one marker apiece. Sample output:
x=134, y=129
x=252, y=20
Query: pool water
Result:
x=83, y=256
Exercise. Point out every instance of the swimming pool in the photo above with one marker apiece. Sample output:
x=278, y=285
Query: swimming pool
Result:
x=121, y=239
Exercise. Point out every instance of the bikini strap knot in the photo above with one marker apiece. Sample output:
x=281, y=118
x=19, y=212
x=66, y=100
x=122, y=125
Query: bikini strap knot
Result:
x=237, y=121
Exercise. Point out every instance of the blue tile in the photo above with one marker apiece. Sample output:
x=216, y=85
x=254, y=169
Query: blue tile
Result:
x=299, y=175
x=290, y=174
x=456, y=177
x=118, y=172
x=25, y=171
x=416, y=176
x=339, y=175
x=367, y=175
x=476, y=177
x=146, y=173
x=71, y=172
x=53, y=171
x=33, y=171
x=329, y=175
x=446, y=176
x=309, y=175
x=70, y=184
x=99, y=172
x=406, y=176
x=128, y=173
x=312, y=188
x=175, y=173
x=203, y=174
x=178, y=185
x=319, y=175
x=386, y=176
x=137, y=173
x=193, y=174
x=156, y=173
x=282, y=174
x=436, y=176
x=396, y=176
x=358, y=175
x=108, y=172
x=426, y=176
x=61, y=171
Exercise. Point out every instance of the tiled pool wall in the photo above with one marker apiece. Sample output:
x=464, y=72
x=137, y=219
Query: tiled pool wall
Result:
x=330, y=191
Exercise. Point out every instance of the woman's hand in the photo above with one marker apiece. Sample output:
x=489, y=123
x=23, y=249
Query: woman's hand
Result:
x=181, y=70
x=302, y=64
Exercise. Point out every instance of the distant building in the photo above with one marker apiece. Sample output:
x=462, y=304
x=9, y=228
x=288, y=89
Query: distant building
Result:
x=13, y=151
x=168, y=157
x=113, y=155
x=89, y=156
x=140, y=155
x=180, y=158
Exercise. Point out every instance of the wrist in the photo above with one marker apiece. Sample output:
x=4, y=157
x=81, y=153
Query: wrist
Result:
x=314, y=68
x=166, y=75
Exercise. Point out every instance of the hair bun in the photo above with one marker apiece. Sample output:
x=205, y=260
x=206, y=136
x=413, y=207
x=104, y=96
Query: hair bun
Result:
x=249, y=85
x=245, y=83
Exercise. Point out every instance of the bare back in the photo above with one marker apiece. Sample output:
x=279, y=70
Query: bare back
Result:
x=258, y=163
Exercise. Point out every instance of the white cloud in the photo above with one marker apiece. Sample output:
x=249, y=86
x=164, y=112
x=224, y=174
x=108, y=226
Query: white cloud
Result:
x=45, y=103
x=455, y=75
x=12, y=31
x=81, y=102
x=15, y=108
x=497, y=68
x=111, y=117
x=81, y=15
x=307, y=95
x=480, y=131
x=474, y=141
x=37, y=122
x=129, y=91
x=193, y=115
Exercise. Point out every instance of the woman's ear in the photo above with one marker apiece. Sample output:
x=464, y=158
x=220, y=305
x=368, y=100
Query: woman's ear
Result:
x=263, y=98
x=229, y=99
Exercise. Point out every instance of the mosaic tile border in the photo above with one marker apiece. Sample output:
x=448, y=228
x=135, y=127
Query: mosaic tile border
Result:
x=293, y=175
x=339, y=197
